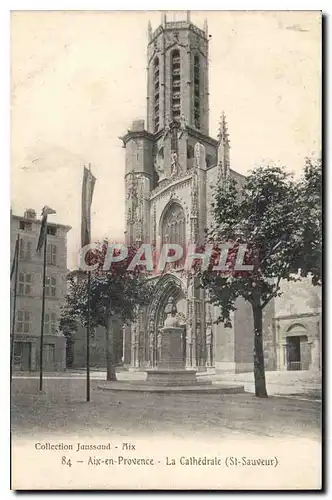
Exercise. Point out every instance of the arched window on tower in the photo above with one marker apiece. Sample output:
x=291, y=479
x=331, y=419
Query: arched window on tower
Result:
x=176, y=85
x=156, y=90
x=197, y=101
x=190, y=152
x=210, y=161
x=174, y=228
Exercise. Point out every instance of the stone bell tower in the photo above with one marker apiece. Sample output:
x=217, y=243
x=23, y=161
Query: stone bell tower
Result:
x=177, y=93
x=177, y=118
x=177, y=69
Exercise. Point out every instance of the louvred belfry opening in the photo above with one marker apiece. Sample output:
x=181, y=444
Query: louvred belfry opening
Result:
x=197, y=101
x=176, y=85
x=156, y=94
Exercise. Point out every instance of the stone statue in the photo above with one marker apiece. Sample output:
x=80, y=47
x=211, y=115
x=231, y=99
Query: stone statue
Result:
x=176, y=36
x=151, y=347
x=174, y=164
x=167, y=128
x=171, y=314
x=159, y=341
x=189, y=330
x=208, y=333
x=183, y=125
x=197, y=153
x=159, y=168
x=209, y=347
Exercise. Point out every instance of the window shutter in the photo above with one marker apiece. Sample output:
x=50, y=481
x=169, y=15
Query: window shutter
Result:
x=22, y=245
x=28, y=250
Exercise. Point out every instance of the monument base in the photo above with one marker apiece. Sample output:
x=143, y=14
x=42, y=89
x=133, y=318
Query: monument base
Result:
x=143, y=386
x=171, y=377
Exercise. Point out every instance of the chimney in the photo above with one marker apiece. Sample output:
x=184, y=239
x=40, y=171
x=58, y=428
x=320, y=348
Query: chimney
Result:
x=30, y=213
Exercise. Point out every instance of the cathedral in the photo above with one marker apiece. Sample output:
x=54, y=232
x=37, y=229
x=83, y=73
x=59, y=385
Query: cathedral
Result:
x=172, y=166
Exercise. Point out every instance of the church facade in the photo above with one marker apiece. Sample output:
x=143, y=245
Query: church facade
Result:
x=172, y=167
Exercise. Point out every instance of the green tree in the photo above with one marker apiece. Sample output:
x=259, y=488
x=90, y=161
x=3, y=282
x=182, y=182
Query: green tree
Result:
x=310, y=232
x=116, y=292
x=279, y=220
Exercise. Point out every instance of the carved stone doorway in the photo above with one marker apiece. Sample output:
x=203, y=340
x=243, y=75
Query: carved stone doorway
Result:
x=168, y=286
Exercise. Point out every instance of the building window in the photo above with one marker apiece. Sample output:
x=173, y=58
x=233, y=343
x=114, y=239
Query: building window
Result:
x=24, y=283
x=174, y=227
x=23, y=322
x=25, y=226
x=190, y=152
x=19, y=352
x=51, y=254
x=51, y=230
x=210, y=161
x=50, y=323
x=176, y=85
x=197, y=102
x=25, y=249
x=156, y=87
x=50, y=286
x=190, y=157
x=298, y=350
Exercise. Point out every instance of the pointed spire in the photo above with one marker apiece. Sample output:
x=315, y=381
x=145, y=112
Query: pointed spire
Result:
x=149, y=31
x=223, y=148
x=223, y=130
x=163, y=18
x=205, y=28
x=188, y=16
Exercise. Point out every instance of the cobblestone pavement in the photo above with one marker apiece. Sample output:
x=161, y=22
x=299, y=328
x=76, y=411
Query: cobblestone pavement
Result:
x=62, y=409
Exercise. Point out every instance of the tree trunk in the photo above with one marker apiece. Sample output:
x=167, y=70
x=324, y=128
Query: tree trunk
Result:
x=110, y=364
x=259, y=369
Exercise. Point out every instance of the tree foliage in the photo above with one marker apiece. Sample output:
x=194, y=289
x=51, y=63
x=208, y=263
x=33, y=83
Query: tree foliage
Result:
x=115, y=292
x=310, y=235
x=279, y=219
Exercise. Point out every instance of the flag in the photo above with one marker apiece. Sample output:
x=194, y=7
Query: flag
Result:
x=14, y=258
x=87, y=192
x=45, y=212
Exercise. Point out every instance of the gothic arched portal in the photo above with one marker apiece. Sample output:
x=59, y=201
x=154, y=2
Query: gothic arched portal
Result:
x=168, y=286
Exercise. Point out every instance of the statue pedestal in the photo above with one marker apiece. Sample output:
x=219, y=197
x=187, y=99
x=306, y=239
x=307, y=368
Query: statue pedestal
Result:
x=171, y=367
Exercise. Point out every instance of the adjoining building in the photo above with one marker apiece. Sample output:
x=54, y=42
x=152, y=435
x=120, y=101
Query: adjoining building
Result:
x=29, y=293
x=297, y=327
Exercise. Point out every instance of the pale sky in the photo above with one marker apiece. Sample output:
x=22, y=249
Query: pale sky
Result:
x=79, y=80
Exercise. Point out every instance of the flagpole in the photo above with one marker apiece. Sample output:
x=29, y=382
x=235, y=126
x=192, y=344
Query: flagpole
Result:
x=42, y=317
x=88, y=333
x=17, y=246
x=88, y=343
x=87, y=192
